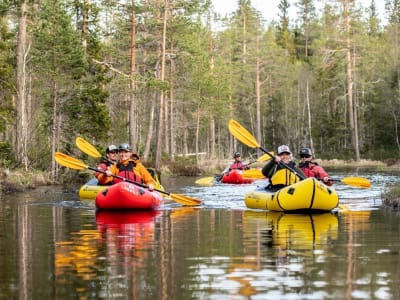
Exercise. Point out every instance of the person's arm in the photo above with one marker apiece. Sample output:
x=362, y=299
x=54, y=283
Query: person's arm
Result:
x=104, y=178
x=268, y=169
x=321, y=174
x=145, y=175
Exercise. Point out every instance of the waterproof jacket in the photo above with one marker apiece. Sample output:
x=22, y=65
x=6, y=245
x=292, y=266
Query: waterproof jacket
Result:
x=280, y=176
x=312, y=169
x=101, y=177
x=132, y=170
x=238, y=165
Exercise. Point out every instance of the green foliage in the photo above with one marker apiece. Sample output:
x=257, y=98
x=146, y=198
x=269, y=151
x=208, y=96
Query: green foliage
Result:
x=6, y=155
x=210, y=76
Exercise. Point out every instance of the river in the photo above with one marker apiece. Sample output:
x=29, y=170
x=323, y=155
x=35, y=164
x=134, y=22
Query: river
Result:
x=54, y=246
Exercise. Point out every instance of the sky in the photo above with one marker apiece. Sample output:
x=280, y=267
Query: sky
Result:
x=269, y=8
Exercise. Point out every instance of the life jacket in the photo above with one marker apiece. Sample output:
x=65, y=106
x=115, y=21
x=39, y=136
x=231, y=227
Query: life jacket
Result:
x=237, y=166
x=284, y=177
x=308, y=168
x=127, y=171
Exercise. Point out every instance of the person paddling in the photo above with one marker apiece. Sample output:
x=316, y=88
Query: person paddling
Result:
x=236, y=165
x=280, y=174
x=110, y=158
x=129, y=167
x=311, y=168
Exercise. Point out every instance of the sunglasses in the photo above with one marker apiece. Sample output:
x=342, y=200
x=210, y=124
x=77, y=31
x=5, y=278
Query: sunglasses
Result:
x=305, y=156
x=113, y=152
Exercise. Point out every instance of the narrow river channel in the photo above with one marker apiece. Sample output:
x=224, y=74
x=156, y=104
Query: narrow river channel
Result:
x=54, y=246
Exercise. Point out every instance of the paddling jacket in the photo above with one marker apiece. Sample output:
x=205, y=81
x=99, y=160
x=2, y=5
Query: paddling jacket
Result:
x=279, y=176
x=238, y=165
x=132, y=170
x=102, y=178
x=312, y=169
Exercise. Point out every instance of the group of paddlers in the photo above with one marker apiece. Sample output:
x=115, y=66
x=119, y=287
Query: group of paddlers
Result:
x=120, y=162
x=282, y=170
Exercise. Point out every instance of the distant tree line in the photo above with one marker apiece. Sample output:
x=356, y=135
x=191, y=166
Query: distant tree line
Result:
x=167, y=76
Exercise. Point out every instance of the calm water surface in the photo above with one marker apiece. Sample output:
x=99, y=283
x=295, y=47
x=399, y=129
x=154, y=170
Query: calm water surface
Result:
x=54, y=246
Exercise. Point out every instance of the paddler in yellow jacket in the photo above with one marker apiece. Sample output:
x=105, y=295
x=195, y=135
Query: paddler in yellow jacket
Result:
x=130, y=168
x=281, y=175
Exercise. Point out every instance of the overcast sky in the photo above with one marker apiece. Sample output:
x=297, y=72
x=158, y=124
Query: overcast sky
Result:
x=269, y=8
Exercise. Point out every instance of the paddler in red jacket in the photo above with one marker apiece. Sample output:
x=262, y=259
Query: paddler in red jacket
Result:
x=111, y=158
x=311, y=168
x=237, y=164
x=129, y=168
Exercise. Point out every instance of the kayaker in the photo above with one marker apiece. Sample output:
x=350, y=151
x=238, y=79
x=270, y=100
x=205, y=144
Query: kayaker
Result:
x=279, y=174
x=109, y=159
x=129, y=167
x=238, y=164
x=311, y=168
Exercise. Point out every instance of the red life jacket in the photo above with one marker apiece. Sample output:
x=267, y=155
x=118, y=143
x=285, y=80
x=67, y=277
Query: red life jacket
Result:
x=238, y=165
x=127, y=171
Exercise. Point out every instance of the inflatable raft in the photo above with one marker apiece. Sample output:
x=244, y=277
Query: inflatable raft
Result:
x=124, y=195
x=90, y=189
x=306, y=195
x=235, y=177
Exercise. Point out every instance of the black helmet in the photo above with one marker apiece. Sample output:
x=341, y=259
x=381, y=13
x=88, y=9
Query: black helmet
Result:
x=111, y=148
x=236, y=154
x=124, y=147
x=305, y=151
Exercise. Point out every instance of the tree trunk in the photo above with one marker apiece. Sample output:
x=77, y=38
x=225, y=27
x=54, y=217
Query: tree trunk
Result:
x=309, y=117
x=258, y=92
x=171, y=110
x=132, y=85
x=85, y=23
x=162, y=76
x=21, y=103
x=352, y=109
x=146, y=152
x=54, y=131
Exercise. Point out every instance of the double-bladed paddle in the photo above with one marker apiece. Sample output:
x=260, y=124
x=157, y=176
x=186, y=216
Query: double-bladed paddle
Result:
x=250, y=173
x=239, y=132
x=73, y=163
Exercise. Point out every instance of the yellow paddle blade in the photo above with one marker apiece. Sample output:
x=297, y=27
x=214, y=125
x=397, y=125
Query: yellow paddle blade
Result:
x=185, y=200
x=87, y=148
x=242, y=134
x=357, y=181
x=69, y=162
x=266, y=156
x=253, y=174
x=205, y=181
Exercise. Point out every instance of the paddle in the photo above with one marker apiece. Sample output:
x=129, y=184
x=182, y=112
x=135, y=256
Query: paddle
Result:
x=251, y=173
x=354, y=181
x=247, y=138
x=87, y=148
x=241, y=133
x=73, y=163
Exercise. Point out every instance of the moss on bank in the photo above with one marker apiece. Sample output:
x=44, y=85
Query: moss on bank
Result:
x=391, y=197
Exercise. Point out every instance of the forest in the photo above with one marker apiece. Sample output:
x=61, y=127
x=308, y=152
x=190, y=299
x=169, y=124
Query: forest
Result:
x=166, y=76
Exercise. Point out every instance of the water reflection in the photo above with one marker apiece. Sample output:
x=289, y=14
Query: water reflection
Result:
x=55, y=247
x=288, y=233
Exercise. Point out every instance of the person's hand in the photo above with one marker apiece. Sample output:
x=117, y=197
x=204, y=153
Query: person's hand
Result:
x=151, y=187
x=278, y=159
x=325, y=179
x=108, y=172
